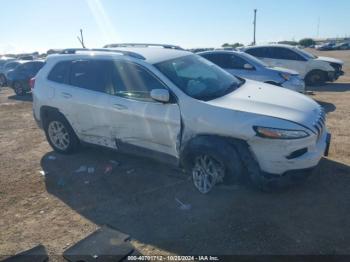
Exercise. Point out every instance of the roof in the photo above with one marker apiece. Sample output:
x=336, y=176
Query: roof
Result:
x=268, y=45
x=152, y=55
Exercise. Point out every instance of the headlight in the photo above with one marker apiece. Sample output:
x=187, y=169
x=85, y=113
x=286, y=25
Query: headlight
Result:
x=275, y=133
x=285, y=76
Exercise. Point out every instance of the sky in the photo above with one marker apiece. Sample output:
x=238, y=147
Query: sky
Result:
x=39, y=25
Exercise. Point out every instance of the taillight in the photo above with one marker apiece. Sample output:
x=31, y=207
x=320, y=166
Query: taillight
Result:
x=32, y=83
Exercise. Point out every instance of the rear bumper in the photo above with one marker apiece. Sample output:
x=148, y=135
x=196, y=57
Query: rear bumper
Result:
x=37, y=121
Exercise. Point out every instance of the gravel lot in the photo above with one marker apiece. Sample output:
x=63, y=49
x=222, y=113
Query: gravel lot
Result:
x=138, y=197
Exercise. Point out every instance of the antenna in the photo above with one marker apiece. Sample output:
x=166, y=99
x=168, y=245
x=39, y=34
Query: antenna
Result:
x=254, y=23
x=81, y=38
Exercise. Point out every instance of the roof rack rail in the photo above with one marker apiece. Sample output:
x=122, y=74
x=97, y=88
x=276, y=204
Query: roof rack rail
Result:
x=143, y=45
x=127, y=53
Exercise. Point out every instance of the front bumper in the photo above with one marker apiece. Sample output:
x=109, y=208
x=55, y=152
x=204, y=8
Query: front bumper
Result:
x=273, y=155
x=295, y=83
x=334, y=75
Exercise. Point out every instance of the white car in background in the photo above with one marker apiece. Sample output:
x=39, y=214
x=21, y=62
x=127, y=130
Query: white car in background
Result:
x=246, y=66
x=314, y=70
x=178, y=107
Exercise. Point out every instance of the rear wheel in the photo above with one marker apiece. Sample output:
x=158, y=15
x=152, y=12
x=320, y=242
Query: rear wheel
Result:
x=60, y=134
x=18, y=88
x=316, y=77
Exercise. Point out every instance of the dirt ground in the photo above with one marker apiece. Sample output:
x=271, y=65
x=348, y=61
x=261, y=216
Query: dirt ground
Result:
x=138, y=197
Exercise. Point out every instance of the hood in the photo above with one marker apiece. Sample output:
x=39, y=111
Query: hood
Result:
x=284, y=70
x=330, y=60
x=269, y=100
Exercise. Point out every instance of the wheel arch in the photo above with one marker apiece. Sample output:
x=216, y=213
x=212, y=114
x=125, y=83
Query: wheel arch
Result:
x=47, y=111
x=220, y=143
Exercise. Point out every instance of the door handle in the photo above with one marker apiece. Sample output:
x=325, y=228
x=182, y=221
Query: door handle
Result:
x=66, y=95
x=120, y=107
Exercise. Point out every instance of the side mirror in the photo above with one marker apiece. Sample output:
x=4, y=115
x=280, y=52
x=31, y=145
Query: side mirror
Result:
x=160, y=95
x=248, y=67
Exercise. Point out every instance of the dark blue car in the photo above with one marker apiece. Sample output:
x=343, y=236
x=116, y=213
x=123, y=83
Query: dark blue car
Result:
x=19, y=78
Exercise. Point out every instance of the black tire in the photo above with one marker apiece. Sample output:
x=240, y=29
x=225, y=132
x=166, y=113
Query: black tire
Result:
x=72, y=145
x=222, y=155
x=2, y=80
x=316, y=77
x=18, y=88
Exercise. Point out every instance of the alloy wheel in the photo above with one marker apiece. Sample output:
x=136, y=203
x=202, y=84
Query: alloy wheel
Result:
x=59, y=135
x=206, y=173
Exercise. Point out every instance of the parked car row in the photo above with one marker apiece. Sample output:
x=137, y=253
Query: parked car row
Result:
x=333, y=46
x=314, y=70
x=17, y=73
x=181, y=108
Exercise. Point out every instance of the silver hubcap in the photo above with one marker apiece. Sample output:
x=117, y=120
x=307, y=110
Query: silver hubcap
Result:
x=206, y=173
x=58, y=135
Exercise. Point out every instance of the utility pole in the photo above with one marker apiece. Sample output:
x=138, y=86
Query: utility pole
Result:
x=254, y=23
x=318, y=27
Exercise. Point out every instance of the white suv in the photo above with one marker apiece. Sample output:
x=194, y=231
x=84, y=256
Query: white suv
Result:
x=315, y=70
x=178, y=107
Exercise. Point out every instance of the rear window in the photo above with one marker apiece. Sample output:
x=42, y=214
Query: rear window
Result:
x=60, y=71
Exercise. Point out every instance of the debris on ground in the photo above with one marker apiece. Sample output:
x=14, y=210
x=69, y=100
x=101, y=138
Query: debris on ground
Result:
x=87, y=182
x=130, y=171
x=105, y=244
x=38, y=254
x=108, y=169
x=182, y=205
x=81, y=169
x=43, y=173
x=42, y=212
x=51, y=158
x=61, y=182
x=114, y=163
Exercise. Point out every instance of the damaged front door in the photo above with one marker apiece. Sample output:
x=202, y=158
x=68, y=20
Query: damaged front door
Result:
x=137, y=120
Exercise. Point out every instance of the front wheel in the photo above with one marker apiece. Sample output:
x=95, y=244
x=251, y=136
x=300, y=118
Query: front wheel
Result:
x=206, y=172
x=213, y=163
x=316, y=77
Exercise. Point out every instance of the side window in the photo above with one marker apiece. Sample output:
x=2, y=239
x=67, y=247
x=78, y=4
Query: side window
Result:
x=134, y=82
x=60, y=72
x=259, y=52
x=237, y=62
x=285, y=54
x=93, y=75
x=222, y=60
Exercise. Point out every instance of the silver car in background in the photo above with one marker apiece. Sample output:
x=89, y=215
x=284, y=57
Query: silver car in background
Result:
x=246, y=66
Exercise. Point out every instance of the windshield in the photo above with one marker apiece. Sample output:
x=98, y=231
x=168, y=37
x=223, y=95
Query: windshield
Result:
x=198, y=77
x=307, y=54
